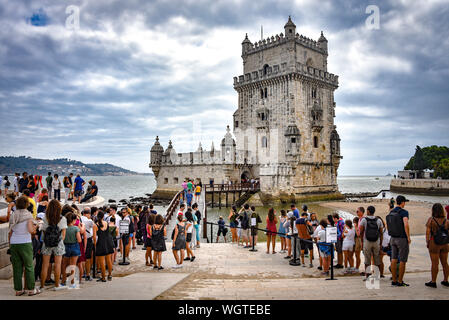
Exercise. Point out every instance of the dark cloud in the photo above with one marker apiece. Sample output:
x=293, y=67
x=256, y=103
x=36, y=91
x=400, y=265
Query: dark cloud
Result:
x=138, y=69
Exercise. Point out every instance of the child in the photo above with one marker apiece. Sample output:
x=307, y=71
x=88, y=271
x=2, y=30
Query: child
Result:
x=189, y=197
x=281, y=230
x=72, y=248
x=348, y=246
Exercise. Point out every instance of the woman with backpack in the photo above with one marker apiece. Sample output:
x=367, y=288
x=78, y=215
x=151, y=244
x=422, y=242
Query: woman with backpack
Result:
x=54, y=227
x=103, y=246
x=179, y=242
x=157, y=234
x=437, y=243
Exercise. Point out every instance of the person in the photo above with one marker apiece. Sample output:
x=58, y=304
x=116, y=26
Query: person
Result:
x=305, y=237
x=385, y=248
x=56, y=186
x=43, y=203
x=197, y=225
x=294, y=210
x=127, y=238
x=340, y=224
x=437, y=225
x=44, y=192
x=399, y=231
x=81, y=261
x=288, y=226
x=148, y=254
x=244, y=222
x=316, y=240
x=54, y=227
x=348, y=246
x=32, y=204
x=31, y=186
x=184, y=187
x=49, y=181
x=447, y=211
x=113, y=230
x=323, y=246
x=7, y=184
x=103, y=246
x=179, y=242
x=313, y=221
x=189, y=228
x=72, y=248
x=21, y=227
x=67, y=186
x=271, y=230
x=92, y=193
x=23, y=182
x=222, y=230
x=16, y=183
x=10, y=199
x=181, y=209
x=78, y=189
x=238, y=227
x=197, y=193
x=232, y=223
x=189, y=197
x=89, y=225
x=330, y=221
x=282, y=232
x=113, y=214
x=360, y=213
x=371, y=231
x=157, y=234
x=71, y=187
x=391, y=203
x=255, y=226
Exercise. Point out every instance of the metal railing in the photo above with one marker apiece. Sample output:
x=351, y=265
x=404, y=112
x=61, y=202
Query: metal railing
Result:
x=172, y=207
x=247, y=186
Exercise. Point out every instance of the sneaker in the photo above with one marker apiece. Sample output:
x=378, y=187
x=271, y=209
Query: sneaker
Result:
x=288, y=257
x=73, y=286
x=180, y=266
x=402, y=284
x=394, y=283
x=338, y=266
x=193, y=258
x=320, y=268
x=59, y=288
x=88, y=278
x=445, y=283
x=303, y=265
x=348, y=271
x=160, y=268
x=311, y=265
x=325, y=273
x=431, y=284
x=187, y=259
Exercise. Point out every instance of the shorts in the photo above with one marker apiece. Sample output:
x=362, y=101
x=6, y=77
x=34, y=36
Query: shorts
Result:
x=89, y=247
x=348, y=246
x=245, y=233
x=197, y=193
x=438, y=248
x=125, y=239
x=72, y=250
x=371, y=249
x=339, y=246
x=78, y=193
x=189, y=237
x=232, y=224
x=306, y=244
x=57, y=251
x=325, y=250
x=221, y=231
x=399, y=249
x=148, y=243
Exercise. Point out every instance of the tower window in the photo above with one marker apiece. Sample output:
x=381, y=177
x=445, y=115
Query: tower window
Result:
x=264, y=142
x=261, y=93
x=266, y=92
x=290, y=30
x=315, y=142
x=265, y=69
x=165, y=180
x=175, y=180
x=236, y=124
x=314, y=93
x=293, y=140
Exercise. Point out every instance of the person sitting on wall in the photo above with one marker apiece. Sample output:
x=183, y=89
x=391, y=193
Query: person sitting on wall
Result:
x=92, y=193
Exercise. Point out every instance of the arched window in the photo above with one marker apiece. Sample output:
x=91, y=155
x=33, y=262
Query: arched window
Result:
x=264, y=142
x=314, y=93
x=265, y=69
x=261, y=94
x=266, y=92
x=315, y=142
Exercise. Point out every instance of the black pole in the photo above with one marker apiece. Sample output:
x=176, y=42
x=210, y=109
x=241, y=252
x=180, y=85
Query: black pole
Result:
x=211, y=234
x=124, y=262
x=332, y=263
x=252, y=233
x=294, y=261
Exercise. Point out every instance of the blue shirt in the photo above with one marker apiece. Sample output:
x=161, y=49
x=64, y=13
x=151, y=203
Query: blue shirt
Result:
x=79, y=183
x=296, y=213
x=189, y=197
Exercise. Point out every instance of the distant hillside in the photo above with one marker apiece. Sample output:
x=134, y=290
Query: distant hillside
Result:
x=9, y=165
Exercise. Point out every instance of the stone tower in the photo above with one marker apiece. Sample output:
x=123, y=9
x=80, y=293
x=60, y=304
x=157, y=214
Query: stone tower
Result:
x=285, y=115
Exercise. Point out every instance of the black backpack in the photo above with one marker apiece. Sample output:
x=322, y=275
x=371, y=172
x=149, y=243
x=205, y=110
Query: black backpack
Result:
x=441, y=237
x=395, y=224
x=131, y=224
x=52, y=236
x=245, y=221
x=198, y=215
x=372, y=230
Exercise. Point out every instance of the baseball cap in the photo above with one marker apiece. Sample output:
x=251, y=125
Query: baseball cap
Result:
x=304, y=207
x=400, y=199
x=41, y=215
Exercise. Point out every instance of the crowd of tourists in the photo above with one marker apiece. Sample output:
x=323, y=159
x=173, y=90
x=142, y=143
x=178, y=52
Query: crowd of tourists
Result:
x=366, y=233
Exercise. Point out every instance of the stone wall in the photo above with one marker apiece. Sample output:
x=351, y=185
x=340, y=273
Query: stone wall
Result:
x=421, y=186
x=5, y=262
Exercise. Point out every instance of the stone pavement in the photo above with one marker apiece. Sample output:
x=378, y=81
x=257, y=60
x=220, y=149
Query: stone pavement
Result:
x=225, y=271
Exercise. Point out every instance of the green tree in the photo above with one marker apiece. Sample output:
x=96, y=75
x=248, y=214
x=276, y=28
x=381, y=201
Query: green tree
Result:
x=442, y=168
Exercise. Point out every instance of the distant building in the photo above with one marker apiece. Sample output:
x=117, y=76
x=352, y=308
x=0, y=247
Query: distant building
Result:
x=413, y=174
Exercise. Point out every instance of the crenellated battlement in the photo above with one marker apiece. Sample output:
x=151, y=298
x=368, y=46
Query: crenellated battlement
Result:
x=280, y=70
x=280, y=39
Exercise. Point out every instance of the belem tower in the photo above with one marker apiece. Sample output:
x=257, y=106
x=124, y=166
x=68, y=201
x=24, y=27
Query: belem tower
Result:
x=283, y=127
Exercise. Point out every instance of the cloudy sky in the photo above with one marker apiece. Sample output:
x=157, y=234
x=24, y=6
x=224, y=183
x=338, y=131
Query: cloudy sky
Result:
x=137, y=69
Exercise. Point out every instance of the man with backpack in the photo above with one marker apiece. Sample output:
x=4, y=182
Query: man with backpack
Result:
x=371, y=231
x=399, y=230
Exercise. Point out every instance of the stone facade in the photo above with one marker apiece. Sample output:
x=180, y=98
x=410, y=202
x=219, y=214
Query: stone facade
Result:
x=283, y=126
x=420, y=186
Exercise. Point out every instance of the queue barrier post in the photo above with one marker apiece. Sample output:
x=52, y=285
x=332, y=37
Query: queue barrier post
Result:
x=211, y=233
x=332, y=263
x=295, y=261
x=253, y=249
x=124, y=262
